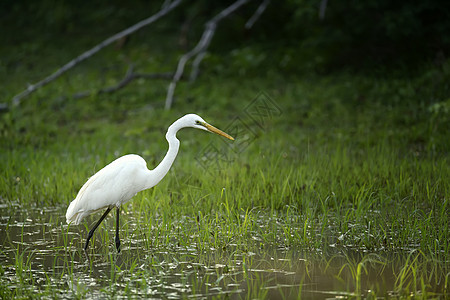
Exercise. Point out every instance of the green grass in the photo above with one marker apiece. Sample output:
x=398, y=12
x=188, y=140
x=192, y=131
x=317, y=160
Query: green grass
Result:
x=352, y=178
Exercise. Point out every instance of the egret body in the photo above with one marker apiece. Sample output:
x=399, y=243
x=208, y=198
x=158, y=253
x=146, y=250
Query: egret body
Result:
x=123, y=178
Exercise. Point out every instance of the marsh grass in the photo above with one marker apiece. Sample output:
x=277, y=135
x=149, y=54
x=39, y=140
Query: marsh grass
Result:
x=351, y=180
x=176, y=257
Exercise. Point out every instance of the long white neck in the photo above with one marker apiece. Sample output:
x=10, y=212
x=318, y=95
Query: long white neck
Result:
x=161, y=170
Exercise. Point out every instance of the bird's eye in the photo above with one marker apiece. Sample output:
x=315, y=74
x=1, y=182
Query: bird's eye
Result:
x=197, y=122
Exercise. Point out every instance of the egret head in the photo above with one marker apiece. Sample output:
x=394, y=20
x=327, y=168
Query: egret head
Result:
x=195, y=121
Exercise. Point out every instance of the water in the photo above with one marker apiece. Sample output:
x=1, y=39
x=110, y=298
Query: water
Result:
x=41, y=255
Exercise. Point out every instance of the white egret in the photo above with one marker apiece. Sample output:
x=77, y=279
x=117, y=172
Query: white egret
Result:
x=123, y=178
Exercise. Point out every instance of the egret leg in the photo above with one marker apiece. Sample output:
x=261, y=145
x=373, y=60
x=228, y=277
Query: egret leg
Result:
x=117, y=230
x=91, y=233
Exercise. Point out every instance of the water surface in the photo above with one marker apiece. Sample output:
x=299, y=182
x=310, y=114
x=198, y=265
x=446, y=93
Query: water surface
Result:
x=43, y=256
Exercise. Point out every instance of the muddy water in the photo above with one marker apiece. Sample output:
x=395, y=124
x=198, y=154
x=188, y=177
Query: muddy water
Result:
x=41, y=256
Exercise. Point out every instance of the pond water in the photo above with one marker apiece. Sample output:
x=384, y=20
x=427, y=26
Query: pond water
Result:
x=42, y=256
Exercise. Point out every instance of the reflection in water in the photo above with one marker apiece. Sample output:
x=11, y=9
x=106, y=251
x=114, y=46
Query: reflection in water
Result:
x=42, y=255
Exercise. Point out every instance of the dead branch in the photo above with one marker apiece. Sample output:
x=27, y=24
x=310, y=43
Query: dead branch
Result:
x=196, y=65
x=200, y=48
x=259, y=11
x=199, y=57
x=129, y=76
x=167, y=7
x=322, y=9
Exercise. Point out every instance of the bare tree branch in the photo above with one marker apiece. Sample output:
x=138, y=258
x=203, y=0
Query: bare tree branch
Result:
x=259, y=11
x=202, y=45
x=167, y=7
x=129, y=76
x=322, y=9
x=165, y=4
x=196, y=65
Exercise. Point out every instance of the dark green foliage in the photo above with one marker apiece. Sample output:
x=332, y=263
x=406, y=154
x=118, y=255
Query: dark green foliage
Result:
x=350, y=180
x=290, y=34
x=359, y=33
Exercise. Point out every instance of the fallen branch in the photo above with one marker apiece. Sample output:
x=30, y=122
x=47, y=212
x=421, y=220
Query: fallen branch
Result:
x=167, y=7
x=129, y=76
x=199, y=49
x=259, y=11
x=322, y=9
x=196, y=65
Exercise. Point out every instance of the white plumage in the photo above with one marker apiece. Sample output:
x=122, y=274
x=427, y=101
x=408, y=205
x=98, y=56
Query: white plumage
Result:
x=123, y=178
x=109, y=187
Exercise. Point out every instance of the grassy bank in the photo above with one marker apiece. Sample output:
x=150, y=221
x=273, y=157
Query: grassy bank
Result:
x=349, y=169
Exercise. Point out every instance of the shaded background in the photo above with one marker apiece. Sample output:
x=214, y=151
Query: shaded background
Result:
x=355, y=160
x=290, y=35
x=404, y=43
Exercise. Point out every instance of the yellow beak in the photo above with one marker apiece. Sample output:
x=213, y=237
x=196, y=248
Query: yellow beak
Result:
x=218, y=131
